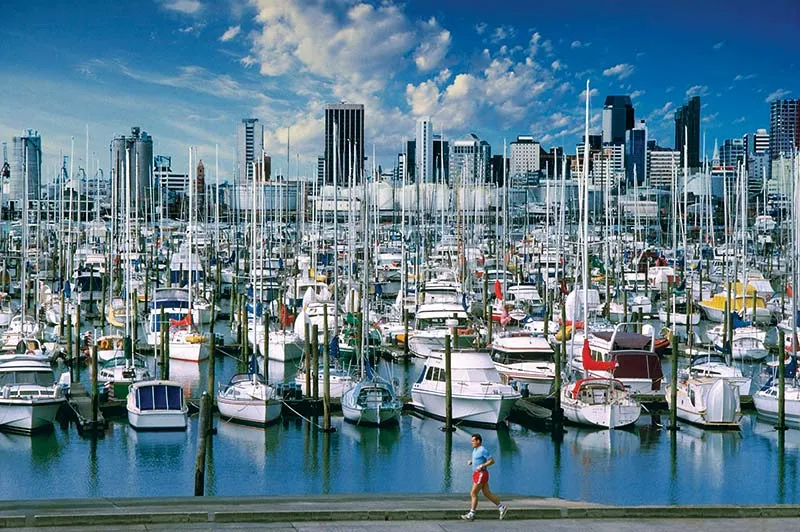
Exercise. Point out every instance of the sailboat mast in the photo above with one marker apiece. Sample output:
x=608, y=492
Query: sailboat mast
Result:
x=585, y=224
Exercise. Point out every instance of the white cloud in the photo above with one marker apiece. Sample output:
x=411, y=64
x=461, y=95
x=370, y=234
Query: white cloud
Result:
x=502, y=33
x=580, y=44
x=582, y=95
x=776, y=95
x=193, y=28
x=443, y=76
x=423, y=99
x=719, y=45
x=709, y=118
x=739, y=120
x=480, y=28
x=187, y=7
x=558, y=120
x=621, y=71
x=230, y=33
x=536, y=43
x=433, y=48
x=248, y=61
x=743, y=77
x=557, y=65
x=697, y=90
x=635, y=94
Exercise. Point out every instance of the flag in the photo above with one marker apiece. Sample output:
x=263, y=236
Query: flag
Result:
x=498, y=290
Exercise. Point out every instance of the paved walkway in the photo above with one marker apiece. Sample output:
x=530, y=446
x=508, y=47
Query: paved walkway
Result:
x=413, y=513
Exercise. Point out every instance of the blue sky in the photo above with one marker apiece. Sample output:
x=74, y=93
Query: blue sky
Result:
x=187, y=71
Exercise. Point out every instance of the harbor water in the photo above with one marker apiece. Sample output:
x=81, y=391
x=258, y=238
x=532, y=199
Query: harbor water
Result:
x=643, y=465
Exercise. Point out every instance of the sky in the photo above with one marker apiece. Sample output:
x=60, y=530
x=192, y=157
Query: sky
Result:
x=187, y=71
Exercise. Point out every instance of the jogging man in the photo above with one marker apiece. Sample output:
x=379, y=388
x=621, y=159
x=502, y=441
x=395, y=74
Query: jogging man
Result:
x=480, y=478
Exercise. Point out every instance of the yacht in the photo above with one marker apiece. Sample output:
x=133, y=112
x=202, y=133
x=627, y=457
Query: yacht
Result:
x=527, y=359
x=478, y=395
x=249, y=399
x=599, y=402
x=29, y=397
x=708, y=402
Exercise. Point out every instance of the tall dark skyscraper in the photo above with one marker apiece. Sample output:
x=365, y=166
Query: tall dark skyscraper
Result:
x=784, y=128
x=617, y=119
x=636, y=154
x=687, y=130
x=345, y=122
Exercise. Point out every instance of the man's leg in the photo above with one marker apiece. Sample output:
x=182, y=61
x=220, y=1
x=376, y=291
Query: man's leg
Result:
x=488, y=494
x=473, y=495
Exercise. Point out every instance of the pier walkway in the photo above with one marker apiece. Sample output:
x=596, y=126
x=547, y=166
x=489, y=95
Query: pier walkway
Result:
x=413, y=513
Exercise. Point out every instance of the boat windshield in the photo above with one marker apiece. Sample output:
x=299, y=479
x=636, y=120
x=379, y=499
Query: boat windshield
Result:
x=439, y=323
x=40, y=378
x=476, y=375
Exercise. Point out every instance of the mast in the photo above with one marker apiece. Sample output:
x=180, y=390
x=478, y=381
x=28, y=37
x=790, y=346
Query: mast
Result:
x=585, y=224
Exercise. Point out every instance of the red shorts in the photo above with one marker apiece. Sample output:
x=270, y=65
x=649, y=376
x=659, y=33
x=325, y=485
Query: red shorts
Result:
x=480, y=477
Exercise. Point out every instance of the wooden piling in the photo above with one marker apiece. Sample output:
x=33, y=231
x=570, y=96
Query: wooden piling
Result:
x=326, y=368
x=448, y=387
x=202, y=445
x=673, y=389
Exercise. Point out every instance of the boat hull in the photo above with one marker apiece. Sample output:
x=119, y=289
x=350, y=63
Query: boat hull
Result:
x=28, y=417
x=157, y=420
x=250, y=412
x=479, y=410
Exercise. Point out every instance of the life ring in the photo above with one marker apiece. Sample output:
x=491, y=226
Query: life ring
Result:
x=103, y=345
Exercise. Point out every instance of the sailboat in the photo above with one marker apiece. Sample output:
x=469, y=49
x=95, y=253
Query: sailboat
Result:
x=596, y=401
x=371, y=401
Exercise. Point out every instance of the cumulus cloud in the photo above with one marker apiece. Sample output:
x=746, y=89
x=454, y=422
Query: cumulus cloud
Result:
x=719, y=45
x=620, y=71
x=579, y=44
x=230, y=33
x=502, y=33
x=557, y=65
x=480, y=28
x=582, y=95
x=635, y=94
x=433, y=48
x=776, y=95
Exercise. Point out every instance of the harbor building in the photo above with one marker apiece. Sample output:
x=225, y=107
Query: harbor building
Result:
x=424, y=150
x=732, y=152
x=441, y=159
x=26, y=164
x=249, y=145
x=136, y=153
x=344, y=142
x=617, y=119
x=687, y=131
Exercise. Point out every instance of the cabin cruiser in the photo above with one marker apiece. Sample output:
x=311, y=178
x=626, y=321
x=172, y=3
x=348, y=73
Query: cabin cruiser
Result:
x=527, y=359
x=478, y=395
x=29, y=397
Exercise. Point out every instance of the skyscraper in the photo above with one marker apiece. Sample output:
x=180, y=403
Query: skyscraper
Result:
x=424, y=150
x=441, y=159
x=26, y=161
x=250, y=145
x=617, y=119
x=784, y=128
x=525, y=156
x=636, y=153
x=344, y=142
x=732, y=152
x=470, y=160
x=687, y=131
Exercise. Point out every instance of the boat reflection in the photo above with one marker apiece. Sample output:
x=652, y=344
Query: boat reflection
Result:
x=253, y=444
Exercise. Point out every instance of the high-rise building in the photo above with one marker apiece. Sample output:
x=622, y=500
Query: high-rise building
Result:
x=525, y=157
x=500, y=170
x=662, y=165
x=687, y=131
x=26, y=163
x=400, y=169
x=732, y=152
x=784, y=128
x=424, y=150
x=410, y=165
x=636, y=153
x=470, y=160
x=608, y=165
x=344, y=142
x=617, y=119
x=320, y=170
x=441, y=159
x=250, y=146
x=132, y=154
x=760, y=141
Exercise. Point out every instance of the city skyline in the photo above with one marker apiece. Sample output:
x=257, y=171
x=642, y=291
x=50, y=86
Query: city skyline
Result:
x=188, y=71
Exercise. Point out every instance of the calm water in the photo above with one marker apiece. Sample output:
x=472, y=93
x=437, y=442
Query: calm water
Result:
x=641, y=466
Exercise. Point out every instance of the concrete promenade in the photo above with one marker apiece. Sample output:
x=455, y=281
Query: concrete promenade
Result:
x=423, y=513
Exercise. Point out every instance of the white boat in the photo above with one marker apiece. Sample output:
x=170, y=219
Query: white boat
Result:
x=284, y=345
x=478, y=395
x=679, y=314
x=431, y=327
x=157, y=405
x=708, y=402
x=29, y=398
x=712, y=364
x=766, y=403
x=526, y=359
x=249, y=399
x=340, y=381
x=599, y=402
x=748, y=341
x=371, y=402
